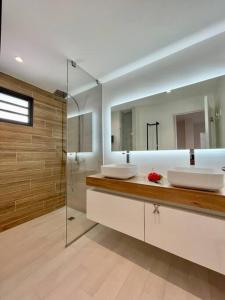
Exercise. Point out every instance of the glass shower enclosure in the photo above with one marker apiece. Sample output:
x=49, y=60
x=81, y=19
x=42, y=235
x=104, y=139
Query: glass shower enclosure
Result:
x=84, y=146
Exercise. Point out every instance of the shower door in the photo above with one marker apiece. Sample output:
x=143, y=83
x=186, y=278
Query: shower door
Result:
x=84, y=146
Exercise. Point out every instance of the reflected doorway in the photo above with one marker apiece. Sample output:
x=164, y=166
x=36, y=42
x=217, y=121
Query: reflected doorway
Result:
x=190, y=130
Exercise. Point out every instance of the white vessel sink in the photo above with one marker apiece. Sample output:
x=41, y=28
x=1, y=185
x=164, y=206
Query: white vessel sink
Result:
x=196, y=178
x=119, y=171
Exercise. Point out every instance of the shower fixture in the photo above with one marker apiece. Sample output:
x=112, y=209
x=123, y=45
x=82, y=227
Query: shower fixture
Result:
x=60, y=93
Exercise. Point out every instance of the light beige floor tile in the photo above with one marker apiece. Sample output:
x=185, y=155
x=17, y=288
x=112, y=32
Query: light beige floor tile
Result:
x=103, y=264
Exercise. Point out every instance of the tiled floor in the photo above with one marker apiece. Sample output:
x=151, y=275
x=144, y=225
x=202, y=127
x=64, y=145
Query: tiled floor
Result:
x=103, y=264
x=78, y=225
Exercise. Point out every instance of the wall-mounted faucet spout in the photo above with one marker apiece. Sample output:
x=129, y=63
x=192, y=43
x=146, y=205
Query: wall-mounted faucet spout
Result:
x=127, y=156
x=192, y=157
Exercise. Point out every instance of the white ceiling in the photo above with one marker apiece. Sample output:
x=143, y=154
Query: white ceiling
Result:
x=106, y=37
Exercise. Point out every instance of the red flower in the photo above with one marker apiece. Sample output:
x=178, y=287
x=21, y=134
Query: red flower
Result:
x=153, y=176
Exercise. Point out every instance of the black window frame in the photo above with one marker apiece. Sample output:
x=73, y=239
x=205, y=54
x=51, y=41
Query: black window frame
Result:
x=30, y=101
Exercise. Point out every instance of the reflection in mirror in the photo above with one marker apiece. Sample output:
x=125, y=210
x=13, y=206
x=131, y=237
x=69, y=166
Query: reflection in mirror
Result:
x=80, y=133
x=189, y=117
x=190, y=130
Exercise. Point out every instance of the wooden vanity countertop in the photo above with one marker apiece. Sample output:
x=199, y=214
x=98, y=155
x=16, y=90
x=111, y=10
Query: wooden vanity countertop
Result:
x=139, y=186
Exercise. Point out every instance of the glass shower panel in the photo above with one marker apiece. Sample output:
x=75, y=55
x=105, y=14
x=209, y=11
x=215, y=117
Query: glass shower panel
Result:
x=84, y=146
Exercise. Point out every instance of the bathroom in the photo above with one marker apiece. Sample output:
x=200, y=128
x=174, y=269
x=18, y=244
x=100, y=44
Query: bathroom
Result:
x=59, y=236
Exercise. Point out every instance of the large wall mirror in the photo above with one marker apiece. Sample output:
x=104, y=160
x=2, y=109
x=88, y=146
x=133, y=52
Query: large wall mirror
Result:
x=79, y=133
x=189, y=117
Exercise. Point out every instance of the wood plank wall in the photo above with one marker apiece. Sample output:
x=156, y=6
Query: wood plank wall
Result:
x=32, y=166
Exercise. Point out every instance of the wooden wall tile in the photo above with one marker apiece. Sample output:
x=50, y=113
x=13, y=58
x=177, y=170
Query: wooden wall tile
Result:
x=14, y=137
x=34, y=156
x=32, y=165
x=13, y=186
x=22, y=166
x=7, y=157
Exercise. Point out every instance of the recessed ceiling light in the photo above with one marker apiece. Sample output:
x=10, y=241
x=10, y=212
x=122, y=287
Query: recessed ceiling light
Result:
x=18, y=59
x=169, y=91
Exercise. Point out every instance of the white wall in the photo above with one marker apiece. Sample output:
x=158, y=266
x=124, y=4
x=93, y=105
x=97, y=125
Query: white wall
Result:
x=197, y=63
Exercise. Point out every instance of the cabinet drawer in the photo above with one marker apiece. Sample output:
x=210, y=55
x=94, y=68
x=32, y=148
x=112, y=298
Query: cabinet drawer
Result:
x=123, y=214
x=193, y=236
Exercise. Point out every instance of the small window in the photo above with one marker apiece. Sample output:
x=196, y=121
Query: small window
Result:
x=15, y=107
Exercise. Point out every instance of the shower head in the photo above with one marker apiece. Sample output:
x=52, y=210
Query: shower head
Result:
x=73, y=64
x=60, y=93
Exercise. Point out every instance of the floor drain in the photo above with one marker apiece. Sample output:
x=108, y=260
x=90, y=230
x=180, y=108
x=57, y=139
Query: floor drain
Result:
x=71, y=218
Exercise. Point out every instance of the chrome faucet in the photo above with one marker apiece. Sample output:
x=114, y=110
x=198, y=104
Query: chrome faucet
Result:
x=127, y=156
x=192, y=157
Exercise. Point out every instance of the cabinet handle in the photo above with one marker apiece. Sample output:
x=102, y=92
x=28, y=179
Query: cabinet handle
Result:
x=156, y=209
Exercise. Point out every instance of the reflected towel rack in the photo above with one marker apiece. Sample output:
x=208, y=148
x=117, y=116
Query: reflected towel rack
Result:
x=156, y=124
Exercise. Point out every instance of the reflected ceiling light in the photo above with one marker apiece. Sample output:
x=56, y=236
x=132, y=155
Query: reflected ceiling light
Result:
x=18, y=59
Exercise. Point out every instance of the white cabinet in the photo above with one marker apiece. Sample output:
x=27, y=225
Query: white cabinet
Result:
x=198, y=238
x=120, y=213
